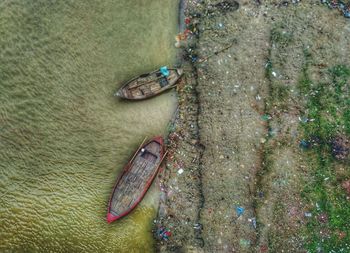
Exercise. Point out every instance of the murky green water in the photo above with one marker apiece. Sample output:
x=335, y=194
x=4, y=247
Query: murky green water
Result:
x=63, y=136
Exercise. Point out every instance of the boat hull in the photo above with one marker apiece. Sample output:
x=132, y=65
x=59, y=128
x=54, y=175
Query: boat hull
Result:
x=135, y=179
x=149, y=85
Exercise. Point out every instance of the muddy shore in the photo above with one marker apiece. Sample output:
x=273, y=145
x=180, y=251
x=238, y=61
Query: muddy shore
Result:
x=235, y=175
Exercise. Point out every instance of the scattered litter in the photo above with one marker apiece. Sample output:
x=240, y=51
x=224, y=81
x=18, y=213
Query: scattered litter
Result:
x=170, y=193
x=273, y=132
x=223, y=7
x=307, y=214
x=346, y=13
x=261, y=194
x=253, y=222
x=304, y=144
x=180, y=171
x=244, y=242
x=303, y=119
x=266, y=117
x=197, y=226
x=221, y=25
x=335, y=4
x=163, y=233
x=239, y=210
x=264, y=248
x=318, y=207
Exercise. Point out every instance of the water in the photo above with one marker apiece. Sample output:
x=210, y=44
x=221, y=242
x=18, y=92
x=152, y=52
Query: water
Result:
x=63, y=136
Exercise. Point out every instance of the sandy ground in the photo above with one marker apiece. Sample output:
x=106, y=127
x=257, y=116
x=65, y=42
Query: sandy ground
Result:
x=236, y=171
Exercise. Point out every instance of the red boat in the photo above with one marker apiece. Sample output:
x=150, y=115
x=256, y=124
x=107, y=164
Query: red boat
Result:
x=134, y=181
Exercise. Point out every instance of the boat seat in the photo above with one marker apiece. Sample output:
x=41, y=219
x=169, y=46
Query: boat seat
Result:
x=149, y=156
x=163, y=82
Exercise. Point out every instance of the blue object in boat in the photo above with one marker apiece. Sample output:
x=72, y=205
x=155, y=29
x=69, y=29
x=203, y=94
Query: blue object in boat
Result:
x=164, y=70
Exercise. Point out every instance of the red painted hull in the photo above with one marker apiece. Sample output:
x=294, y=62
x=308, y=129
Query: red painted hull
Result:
x=111, y=217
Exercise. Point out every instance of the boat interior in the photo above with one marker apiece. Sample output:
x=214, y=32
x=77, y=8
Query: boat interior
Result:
x=133, y=182
x=150, y=84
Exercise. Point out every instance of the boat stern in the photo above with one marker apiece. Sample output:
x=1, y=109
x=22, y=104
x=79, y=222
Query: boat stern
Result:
x=180, y=72
x=111, y=217
x=119, y=93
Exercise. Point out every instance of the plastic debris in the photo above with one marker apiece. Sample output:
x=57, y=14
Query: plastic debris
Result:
x=261, y=194
x=197, y=226
x=163, y=233
x=187, y=32
x=264, y=248
x=194, y=58
x=239, y=210
x=220, y=25
x=273, y=132
x=318, y=207
x=180, y=171
x=346, y=13
x=266, y=117
x=253, y=222
x=307, y=214
x=337, y=4
x=304, y=144
x=303, y=119
x=244, y=242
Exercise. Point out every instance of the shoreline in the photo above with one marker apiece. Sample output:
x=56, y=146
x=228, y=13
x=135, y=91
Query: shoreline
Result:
x=184, y=152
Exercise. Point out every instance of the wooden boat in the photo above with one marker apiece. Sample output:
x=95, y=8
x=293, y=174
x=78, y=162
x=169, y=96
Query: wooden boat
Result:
x=149, y=85
x=134, y=181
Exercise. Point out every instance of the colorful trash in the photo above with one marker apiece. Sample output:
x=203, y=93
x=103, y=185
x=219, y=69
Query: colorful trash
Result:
x=163, y=233
x=239, y=210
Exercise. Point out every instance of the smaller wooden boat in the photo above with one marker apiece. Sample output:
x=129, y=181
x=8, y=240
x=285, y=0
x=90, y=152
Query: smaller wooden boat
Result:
x=149, y=85
x=134, y=181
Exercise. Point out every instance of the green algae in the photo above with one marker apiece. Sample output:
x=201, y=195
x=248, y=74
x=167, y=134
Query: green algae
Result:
x=327, y=105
